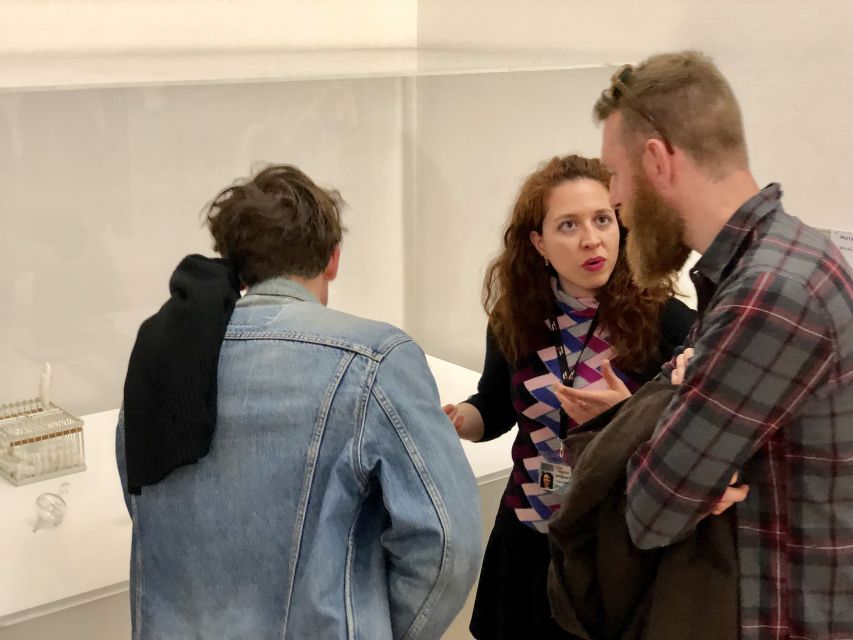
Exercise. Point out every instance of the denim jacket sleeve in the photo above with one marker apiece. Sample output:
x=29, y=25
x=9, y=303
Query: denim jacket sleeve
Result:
x=432, y=541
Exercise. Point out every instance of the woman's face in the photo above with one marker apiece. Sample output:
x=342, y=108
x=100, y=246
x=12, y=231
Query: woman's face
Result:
x=580, y=236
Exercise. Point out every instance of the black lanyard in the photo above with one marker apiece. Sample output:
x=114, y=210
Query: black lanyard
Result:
x=568, y=375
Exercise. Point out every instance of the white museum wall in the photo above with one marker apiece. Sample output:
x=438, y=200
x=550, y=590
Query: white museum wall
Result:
x=98, y=26
x=790, y=63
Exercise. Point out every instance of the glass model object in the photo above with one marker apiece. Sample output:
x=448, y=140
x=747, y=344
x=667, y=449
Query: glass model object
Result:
x=39, y=440
x=51, y=508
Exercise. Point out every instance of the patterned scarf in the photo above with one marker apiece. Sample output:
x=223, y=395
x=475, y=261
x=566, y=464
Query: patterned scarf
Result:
x=574, y=323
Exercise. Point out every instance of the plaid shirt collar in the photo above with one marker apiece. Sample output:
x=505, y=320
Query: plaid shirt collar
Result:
x=725, y=246
x=725, y=249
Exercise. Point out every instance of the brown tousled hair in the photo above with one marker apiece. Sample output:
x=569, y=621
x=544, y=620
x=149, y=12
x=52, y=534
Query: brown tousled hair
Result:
x=517, y=294
x=278, y=223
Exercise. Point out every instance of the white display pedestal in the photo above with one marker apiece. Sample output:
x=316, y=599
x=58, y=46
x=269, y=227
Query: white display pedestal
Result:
x=86, y=557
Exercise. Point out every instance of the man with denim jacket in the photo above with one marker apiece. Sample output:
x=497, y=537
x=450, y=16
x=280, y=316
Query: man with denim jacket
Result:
x=288, y=468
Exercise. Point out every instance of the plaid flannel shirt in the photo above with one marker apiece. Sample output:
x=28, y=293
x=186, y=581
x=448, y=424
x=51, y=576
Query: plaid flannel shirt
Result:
x=769, y=394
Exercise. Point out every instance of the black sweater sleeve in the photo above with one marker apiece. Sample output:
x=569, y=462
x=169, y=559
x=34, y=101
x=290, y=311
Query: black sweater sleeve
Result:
x=675, y=321
x=493, y=398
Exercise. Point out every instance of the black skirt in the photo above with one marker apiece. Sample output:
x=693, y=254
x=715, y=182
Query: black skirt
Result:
x=512, y=596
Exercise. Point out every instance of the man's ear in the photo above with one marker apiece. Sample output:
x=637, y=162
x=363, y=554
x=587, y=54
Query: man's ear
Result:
x=658, y=165
x=331, y=270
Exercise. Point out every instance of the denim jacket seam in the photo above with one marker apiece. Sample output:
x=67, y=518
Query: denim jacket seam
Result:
x=349, y=609
x=391, y=344
x=441, y=578
x=364, y=400
x=233, y=335
x=358, y=440
x=305, y=493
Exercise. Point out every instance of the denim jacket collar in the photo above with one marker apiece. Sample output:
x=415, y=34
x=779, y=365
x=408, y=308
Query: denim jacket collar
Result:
x=283, y=288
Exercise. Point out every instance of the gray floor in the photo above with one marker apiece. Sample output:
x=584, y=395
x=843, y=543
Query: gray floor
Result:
x=109, y=618
x=104, y=619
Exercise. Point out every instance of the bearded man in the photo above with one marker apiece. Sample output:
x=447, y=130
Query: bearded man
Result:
x=763, y=417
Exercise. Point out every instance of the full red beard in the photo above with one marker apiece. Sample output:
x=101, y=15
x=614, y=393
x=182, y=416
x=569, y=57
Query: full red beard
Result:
x=655, y=247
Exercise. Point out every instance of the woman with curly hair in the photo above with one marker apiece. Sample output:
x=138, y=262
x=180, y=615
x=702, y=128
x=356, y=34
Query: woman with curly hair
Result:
x=562, y=305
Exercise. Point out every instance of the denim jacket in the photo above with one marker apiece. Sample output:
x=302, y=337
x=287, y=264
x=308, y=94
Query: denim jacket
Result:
x=335, y=502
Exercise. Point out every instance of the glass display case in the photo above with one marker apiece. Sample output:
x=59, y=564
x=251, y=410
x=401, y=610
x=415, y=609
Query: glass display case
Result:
x=107, y=162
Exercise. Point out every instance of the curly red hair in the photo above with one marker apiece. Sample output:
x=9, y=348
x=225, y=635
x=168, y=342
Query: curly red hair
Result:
x=517, y=294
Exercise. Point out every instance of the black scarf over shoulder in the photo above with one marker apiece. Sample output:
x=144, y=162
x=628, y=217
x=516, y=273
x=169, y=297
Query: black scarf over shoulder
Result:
x=170, y=389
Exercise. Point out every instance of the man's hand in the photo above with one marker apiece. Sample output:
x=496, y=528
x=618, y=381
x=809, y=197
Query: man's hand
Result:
x=681, y=365
x=584, y=404
x=732, y=495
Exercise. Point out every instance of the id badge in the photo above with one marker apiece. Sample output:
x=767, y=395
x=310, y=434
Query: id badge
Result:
x=555, y=477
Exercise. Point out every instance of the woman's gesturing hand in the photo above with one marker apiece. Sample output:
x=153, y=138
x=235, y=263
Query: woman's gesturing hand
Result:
x=584, y=404
x=466, y=420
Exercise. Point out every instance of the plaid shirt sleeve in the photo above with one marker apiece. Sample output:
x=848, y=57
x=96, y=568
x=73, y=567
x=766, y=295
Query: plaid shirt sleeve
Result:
x=762, y=347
